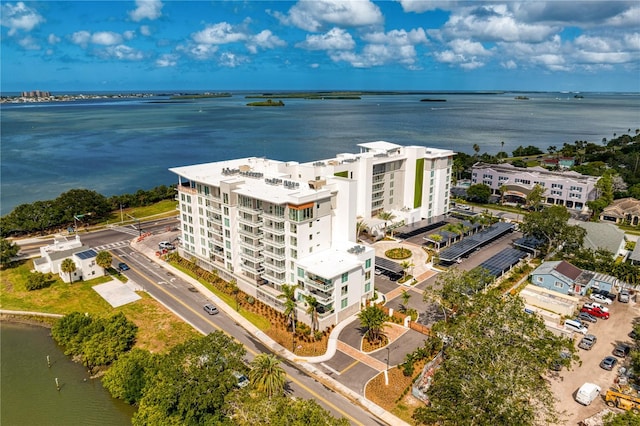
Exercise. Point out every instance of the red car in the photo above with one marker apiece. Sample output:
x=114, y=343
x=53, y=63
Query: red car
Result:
x=596, y=312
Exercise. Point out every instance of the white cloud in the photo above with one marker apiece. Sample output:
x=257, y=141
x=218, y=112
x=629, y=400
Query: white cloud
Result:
x=106, y=38
x=510, y=64
x=18, y=17
x=167, y=60
x=53, y=39
x=629, y=18
x=314, y=15
x=128, y=35
x=221, y=33
x=463, y=53
x=231, y=60
x=419, y=6
x=397, y=37
x=334, y=39
x=29, y=43
x=264, y=40
x=146, y=9
x=468, y=47
x=121, y=52
x=81, y=38
x=145, y=30
x=199, y=52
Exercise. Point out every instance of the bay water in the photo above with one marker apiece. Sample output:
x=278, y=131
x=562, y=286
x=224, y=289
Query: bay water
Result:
x=28, y=394
x=120, y=146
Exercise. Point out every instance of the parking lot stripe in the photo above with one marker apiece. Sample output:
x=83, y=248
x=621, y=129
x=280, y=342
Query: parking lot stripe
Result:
x=350, y=366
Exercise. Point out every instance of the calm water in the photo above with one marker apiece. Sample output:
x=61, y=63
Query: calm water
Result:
x=28, y=391
x=121, y=146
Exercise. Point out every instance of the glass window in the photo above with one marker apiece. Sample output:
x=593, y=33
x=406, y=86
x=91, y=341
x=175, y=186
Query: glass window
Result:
x=345, y=277
x=225, y=198
x=344, y=290
x=344, y=303
x=301, y=272
x=226, y=221
x=367, y=287
x=367, y=263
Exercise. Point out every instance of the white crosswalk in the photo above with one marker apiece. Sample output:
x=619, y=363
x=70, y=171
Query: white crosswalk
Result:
x=112, y=246
x=125, y=229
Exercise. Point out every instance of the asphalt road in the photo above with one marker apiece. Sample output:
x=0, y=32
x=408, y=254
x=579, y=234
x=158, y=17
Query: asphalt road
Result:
x=180, y=297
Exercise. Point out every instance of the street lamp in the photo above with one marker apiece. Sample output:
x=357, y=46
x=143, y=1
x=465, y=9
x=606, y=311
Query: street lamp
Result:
x=76, y=218
x=138, y=222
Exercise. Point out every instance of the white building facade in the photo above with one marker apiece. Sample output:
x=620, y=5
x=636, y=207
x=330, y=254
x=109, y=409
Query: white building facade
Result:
x=570, y=189
x=267, y=223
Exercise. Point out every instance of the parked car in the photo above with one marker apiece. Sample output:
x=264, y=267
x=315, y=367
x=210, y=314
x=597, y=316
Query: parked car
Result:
x=587, y=393
x=604, y=293
x=165, y=245
x=621, y=351
x=241, y=380
x=587, y=342
x=623, y=296
x=378, y=271
x=123, y=267
x=608, y=363
x=585, y=316
x=633, y=334
x=596, y=305
x=558, y=364
x=210, y=309
x=596, y=312
x=600, y=299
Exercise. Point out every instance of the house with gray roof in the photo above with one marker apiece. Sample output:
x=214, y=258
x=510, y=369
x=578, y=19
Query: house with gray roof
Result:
x=83, y=257
x=634, y=257
x=563, y=277
x=605, y=236
x=622, y=210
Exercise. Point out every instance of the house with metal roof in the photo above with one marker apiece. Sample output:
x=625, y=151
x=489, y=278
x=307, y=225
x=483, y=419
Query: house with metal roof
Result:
x=565, y=278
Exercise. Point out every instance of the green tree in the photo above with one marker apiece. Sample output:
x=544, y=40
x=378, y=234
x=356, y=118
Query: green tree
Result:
x=405, y=295
x=81, y=202
x=373, y=320
x=406, y=265
x=535, y=197
x=37, y=280
x=235, y=290
x=550, y=226
x=437, y=239
x=361, y=226
x=457, y=287
x=628, y=418
x=387, y=217
x=68, y=266
x=192, y=382
x=479, y=193
x=476, y=149
x=129, y=375
x=312, y=310
x=495, y=347
x=267, y=376
x=289, y=296
x=104, y=259
x=8, y=251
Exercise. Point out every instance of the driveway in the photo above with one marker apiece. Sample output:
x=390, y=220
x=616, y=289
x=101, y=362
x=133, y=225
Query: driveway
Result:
x=609, y=333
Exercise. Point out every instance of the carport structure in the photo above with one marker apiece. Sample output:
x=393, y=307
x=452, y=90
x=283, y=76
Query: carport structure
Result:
x=502, y=262
x=419, y=227
x=388, y=266
x=469, y=244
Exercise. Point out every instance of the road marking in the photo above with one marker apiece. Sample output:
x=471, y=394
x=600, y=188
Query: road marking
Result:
x=216, y=326
x=350, y=366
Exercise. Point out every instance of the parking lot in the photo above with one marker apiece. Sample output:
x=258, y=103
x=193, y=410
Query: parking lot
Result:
x=609, y=332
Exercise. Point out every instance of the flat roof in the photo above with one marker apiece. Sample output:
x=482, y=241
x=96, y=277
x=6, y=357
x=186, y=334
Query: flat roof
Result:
x=468, y=244
x=503, y=261
x=388, y=265
x=334, y=261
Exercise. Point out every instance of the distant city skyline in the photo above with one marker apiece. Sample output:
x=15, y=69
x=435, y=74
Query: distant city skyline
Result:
x=71, y=46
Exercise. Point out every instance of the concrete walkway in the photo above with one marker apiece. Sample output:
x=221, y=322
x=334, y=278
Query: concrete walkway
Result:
x=301, y=362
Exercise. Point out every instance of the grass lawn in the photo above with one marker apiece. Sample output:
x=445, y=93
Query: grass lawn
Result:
x=165, y=208
x=158, y=331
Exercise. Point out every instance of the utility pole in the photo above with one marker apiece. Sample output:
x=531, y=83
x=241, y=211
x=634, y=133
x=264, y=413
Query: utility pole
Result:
x=138, y=222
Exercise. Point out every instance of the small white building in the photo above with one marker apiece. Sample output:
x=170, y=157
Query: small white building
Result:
x=83, y=257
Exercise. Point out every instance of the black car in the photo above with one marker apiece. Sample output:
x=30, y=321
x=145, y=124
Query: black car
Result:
x=586, y=316
x=608, y=363
x=123, y=266
x=605, y=293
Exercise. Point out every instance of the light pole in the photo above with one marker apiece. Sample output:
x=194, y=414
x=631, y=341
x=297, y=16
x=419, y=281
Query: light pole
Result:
x=138, y=222
x=76, y=218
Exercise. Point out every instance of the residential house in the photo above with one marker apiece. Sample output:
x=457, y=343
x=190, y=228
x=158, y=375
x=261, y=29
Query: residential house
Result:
x=605, y=236
x=624, y=210
x=83, y=257
x=563, y=277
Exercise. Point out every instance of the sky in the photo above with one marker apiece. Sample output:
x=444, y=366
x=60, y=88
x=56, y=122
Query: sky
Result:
x=560, y=45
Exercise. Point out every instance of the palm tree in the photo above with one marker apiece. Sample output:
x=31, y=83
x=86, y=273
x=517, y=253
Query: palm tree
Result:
x=437, y=239
x=267, y=376
x=312, y=310
x=373, y=319
x=289, y=296
x=476, y=149
x=68, y=266
x=103, y=259
x=233, y=286
x=386, y=216
x=361, y=226
x=405, y=299
x=405, y=265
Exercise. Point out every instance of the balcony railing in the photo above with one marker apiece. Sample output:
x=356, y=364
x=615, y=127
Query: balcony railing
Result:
x=273, y=216
x=249, y=209
x=320, y=285
x=253, y=232
x=321, y=297
x=257, y=269
x=273, y=242
x=281, y=269
x=279, y=255
x=273, y=276
x=213, y=208
x=254, y=244
x=253, y=221
x=274, y=230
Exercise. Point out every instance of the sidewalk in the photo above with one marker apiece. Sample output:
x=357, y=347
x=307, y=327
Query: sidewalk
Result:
x=305, y=363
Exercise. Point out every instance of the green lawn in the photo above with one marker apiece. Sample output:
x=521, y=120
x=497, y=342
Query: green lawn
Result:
x=165, y=208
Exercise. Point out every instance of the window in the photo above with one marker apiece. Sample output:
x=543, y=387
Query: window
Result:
x=301, y=272
x=345, y=277
x=293, y=227
x=294, y=241
x=294, y=253
x=540, y=279
x=310, y=237
x=367, y=263
x=225, y=198
x=367, y=275
x=301, y=214
x=558, y=284
x=344, y=303
x=227, y=244
x=344, y=290
x=226, y=211
x=226, y=222
x=310, y=224
x=367, y=287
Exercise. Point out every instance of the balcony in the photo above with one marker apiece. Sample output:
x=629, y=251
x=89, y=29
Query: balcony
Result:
x=256, y=269
x=252, y=244
x=251, y=221
x=274, y=230
x=216, y=237
x=273, y=216
x=251, y=232
x=278, y=269
x=274, y=276
x=249, y=209
x=275, y=254
x=321, y=297
x=319, y=284
x=216, y=229
x=214, y=208
x=270, y=241
x=187, y=190
x=214, y=216
x=253, y=256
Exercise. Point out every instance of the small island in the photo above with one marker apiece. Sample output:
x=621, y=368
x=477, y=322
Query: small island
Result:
x=268, y=102
x=432, y=100
x=521, y=98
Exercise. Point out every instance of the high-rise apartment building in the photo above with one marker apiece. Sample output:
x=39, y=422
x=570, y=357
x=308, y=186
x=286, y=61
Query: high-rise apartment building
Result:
x=267, y=223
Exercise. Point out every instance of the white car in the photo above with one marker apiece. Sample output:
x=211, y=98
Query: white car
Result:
x=596, y=305
x=600, y=298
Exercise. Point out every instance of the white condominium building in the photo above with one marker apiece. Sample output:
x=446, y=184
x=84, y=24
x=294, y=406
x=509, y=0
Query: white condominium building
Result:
x=570, y=189
x=267, y=223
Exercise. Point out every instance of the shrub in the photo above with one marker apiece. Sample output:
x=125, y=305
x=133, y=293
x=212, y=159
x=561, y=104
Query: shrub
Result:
x=38, y=280
x=251, y=300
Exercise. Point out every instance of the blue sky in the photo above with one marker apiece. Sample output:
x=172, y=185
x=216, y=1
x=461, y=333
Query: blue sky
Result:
x=321, y=44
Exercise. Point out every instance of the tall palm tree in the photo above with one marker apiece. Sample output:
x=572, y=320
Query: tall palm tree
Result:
x=373, y=319
x=312, y=310
x=289, y=296
x=267, y=375
x=437, y=239
x=68, y=266
x=405, y=265
x=360, y=227
x=386, y=216
x=405, y=299
x=233, y=287
x=104, y=259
